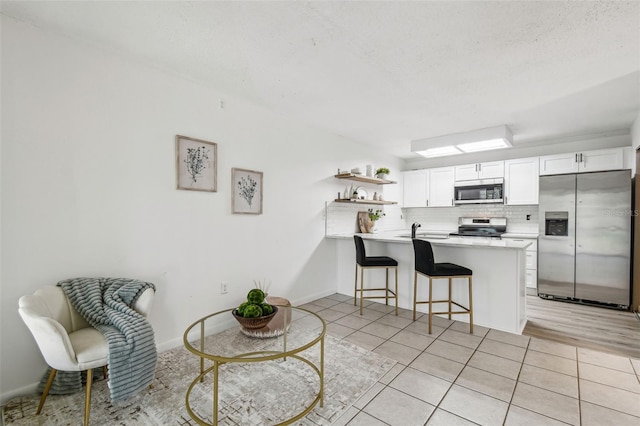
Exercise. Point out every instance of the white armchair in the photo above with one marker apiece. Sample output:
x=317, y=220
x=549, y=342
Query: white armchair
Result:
x=66, y=340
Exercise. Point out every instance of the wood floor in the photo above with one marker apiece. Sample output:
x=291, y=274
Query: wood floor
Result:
x=602, y=329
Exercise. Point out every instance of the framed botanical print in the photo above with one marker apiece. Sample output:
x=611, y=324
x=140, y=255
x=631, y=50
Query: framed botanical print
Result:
x=196, y=164
x=246, y=192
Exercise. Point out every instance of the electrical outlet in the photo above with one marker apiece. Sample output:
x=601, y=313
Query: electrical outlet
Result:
x=223, y=287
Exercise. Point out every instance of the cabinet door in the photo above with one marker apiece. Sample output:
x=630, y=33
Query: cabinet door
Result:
x=559, y=164
x=414, y=188
x=466, y=172
x=521, y=179
x=441, y=181
x=602, y=159
x=493, y=169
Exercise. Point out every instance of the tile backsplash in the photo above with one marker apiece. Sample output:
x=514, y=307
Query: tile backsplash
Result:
x=341, y=218
x=446, y=218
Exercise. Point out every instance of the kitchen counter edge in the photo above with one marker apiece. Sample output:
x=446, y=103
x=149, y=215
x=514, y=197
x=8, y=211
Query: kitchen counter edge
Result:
x=396, y=237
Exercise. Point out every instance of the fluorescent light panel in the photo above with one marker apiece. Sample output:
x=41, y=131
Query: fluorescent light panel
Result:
x=478, y=140
x=484, y=145
x=439, y=152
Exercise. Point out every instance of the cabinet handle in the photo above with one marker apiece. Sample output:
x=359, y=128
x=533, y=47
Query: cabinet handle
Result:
x=427, y=203
x=581, y=160
x=506, y=199
x=479, y=167
x=577, y=157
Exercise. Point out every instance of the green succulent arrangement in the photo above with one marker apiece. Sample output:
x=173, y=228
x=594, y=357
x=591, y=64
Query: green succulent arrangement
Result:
x=255, y=306
x=375, y=215
x=382, y=170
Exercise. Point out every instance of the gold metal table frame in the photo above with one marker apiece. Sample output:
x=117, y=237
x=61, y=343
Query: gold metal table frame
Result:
x=259, y=356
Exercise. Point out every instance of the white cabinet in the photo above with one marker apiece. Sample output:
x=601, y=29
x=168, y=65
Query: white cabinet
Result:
x=488, y=170
x=428, y=187
x=441, y=181
x=521, y=179
x=531, y=263
x=415, y=188
x=586, y=161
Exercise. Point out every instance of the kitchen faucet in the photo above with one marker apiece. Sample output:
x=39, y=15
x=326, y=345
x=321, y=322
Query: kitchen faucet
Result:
x=415, y=226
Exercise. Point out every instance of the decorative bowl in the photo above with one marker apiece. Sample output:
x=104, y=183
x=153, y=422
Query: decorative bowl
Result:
x=254, y=323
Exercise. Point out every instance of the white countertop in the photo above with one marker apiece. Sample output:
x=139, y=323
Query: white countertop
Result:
x=440, y=238
x=519, y=235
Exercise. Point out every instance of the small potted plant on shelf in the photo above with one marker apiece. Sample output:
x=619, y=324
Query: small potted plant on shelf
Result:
x=382, y=173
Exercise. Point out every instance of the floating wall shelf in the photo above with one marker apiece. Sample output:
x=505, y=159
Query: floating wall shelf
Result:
x=359, y=201
x=365, y=179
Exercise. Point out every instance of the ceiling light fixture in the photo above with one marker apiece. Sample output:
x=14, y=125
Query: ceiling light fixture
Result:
x=459, y=143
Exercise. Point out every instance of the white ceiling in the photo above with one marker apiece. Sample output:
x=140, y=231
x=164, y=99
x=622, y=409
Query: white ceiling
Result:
x=385, y=73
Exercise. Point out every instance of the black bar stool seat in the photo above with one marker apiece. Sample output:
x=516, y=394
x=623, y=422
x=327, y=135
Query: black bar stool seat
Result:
x=369, y=262
x=425, y=265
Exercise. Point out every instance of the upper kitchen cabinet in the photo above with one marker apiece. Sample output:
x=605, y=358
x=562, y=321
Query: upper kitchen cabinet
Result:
x=488, y=170
x=441, y=183
x=415, y=188
x=521, y=179
x=579, y=162
x=428, y=187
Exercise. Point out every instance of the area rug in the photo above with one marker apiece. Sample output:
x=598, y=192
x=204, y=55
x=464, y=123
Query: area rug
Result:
x=261, y=393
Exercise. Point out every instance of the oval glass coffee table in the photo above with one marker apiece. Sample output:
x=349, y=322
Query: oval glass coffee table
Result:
x=218, y=341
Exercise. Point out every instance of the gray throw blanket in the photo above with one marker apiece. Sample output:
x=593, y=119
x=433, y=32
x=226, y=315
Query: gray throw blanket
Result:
x=106, y=304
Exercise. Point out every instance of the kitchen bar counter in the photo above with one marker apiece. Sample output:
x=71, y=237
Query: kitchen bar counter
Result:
x=498, y=273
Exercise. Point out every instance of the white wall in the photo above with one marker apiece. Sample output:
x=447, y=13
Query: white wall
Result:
x=635, y=134
x=88, y=189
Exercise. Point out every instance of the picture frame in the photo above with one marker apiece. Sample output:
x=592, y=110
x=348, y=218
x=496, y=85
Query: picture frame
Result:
x=246, y=191
x=196, y=164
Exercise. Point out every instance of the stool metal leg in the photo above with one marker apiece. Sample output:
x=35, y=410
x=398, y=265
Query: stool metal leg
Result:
x=396, y=291
x=415, y=292
x=430, y=302
x=355, y=288
x=361, y=288
x=386, y=292
x=470, y=309
x=449, y=297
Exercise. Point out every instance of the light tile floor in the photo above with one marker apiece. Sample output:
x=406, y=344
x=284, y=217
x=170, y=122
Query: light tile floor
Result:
x=491, y=377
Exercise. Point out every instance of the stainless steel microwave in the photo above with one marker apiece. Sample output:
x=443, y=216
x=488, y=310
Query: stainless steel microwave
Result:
x=479, y=191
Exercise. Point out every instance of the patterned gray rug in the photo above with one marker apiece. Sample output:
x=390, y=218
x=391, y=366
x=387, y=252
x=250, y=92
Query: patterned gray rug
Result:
x=262, y=393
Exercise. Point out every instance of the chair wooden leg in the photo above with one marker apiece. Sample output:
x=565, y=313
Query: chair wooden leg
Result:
x=87, y=400
x=470, y=309
x=105, y=372
x=47, y=387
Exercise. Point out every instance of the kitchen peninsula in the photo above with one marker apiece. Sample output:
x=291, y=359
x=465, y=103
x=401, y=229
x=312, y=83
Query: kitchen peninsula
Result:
x=498, y=273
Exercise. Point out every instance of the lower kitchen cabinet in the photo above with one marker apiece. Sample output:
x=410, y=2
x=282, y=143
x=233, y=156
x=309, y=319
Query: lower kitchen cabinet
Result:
x=531, y=263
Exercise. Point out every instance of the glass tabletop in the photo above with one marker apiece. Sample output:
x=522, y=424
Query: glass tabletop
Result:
x=220, y=337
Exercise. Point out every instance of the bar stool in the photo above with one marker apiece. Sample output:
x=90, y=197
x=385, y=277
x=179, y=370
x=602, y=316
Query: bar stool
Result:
x=425, y=265
x=372, y=262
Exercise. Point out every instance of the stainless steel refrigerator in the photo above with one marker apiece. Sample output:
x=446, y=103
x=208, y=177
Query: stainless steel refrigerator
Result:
x=584, y=240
